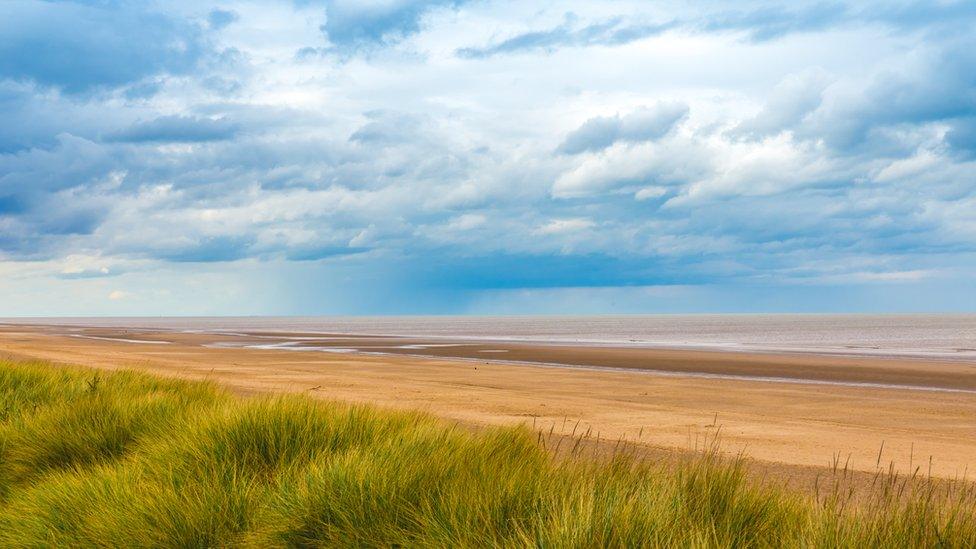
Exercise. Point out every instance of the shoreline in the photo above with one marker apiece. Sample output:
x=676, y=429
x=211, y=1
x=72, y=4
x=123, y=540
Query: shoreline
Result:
x=903, y=373
x=561, y=365
x=957, y=350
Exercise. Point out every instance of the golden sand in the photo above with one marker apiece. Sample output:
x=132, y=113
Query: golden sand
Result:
x=788, y=423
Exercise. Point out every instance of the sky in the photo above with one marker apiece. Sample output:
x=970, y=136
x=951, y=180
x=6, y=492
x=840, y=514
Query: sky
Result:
x=315, y=157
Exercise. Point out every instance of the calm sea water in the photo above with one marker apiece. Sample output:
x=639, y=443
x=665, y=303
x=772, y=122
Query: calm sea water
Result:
x=949, y=336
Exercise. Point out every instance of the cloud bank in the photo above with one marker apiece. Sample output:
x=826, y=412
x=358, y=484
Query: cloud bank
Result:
x=450, y=156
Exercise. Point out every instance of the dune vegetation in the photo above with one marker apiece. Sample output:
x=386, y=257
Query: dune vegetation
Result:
x=95, y=458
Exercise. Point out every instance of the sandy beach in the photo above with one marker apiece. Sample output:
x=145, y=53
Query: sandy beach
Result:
x=788, y=410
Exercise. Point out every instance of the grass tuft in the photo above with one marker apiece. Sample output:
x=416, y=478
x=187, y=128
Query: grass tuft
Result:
x=124, y=459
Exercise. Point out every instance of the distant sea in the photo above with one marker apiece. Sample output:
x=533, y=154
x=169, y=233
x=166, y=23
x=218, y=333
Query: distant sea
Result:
x=928, y=335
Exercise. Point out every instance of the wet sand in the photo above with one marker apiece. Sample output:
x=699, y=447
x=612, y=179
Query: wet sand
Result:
x=788, y=409
x=936, y=374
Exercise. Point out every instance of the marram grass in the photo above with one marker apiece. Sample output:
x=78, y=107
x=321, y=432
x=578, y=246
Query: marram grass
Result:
x=91, y=458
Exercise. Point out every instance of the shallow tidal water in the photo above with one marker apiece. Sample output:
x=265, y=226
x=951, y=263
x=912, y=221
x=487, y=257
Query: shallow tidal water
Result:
x=946, y=336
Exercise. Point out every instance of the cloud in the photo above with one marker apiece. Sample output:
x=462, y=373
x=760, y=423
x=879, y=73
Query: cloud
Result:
x=31, y=120
x=563, y=226
x=207, y=249
x=773, y=22
x=353, y=25
x=769, y=23
x=646, y=124
x=218, y=18
x=80, y=47
x=758, y=24
x=12, y=204
x=46, y=196
x=386, y=127
x=932, y=85
x=613, y=32
x=322, y=252
x=430, y=176
x=650, y=193
x=72, y=275
x=787, y=105
x=946, y=18
x=670, y=163
x=540, y=270
x=962, y=136
x=176, y=129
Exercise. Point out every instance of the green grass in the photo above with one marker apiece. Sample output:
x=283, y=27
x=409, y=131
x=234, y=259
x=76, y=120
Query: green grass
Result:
x=124, y=459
